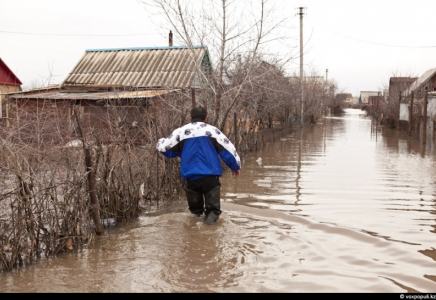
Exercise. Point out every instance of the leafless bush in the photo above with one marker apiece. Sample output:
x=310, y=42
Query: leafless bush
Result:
x=46, y=191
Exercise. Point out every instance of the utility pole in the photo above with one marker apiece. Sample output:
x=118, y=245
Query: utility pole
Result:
x=301, y=65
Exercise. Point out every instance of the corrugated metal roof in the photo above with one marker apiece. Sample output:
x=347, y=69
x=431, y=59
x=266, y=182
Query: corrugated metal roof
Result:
x=57, y=95
x=420, y=81
x=172, y=67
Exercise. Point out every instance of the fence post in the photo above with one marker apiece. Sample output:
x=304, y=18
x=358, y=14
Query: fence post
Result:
x=410, y=115
x=399, y=112
x=424, y=128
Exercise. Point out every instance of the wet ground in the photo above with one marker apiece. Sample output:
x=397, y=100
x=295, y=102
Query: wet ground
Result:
x=345, y=205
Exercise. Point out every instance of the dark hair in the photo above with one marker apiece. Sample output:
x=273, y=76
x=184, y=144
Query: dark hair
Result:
x=198, y=114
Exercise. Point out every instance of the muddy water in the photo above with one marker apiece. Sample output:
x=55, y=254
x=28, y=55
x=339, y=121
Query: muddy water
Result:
x=342, y=206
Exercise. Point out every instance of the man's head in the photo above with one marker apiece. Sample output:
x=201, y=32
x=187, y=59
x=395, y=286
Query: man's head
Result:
x=198, y=114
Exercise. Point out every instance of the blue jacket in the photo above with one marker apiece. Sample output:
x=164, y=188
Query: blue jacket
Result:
x=200, y=147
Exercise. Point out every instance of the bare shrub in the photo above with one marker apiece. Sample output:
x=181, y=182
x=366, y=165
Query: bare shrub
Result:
x=45, y=194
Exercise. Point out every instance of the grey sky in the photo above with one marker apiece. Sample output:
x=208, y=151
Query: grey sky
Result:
x=361, y=43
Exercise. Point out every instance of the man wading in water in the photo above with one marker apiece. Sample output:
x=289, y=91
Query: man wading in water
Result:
x=200, y=147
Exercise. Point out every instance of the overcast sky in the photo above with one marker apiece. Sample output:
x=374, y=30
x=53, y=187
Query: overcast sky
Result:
x=361, y=43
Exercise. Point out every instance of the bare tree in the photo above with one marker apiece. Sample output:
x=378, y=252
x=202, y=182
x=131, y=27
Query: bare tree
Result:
x=217, y=25
x=317, y=94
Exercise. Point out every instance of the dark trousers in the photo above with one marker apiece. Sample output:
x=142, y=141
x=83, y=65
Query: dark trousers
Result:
x=203, y=195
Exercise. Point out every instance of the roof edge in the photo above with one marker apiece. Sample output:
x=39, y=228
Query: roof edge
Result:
x=11, y=83
x=16, y=79
x=422, y=80
x=144, y=48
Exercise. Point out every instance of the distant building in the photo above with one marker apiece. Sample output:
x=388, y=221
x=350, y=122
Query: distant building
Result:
x=364, y=96
x=375, y=101
x=355, y=100
x=9, y=83
x=344, y=97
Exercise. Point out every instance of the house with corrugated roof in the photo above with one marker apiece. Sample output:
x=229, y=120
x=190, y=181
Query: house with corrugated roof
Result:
x=130, y=73
x=125, y=78
x=9, y=83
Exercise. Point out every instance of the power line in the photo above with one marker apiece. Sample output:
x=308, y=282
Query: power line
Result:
x=66, y=34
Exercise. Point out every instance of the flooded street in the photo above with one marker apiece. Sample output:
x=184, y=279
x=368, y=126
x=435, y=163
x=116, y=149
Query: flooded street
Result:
x=341, y=206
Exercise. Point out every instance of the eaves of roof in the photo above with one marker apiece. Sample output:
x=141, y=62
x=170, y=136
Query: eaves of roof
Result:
x=420, y=81
x=58, y=95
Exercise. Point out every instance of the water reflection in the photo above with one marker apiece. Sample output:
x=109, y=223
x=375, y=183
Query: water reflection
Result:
x=345, y=205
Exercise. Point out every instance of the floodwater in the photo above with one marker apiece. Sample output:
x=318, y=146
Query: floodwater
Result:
x=343, y=206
